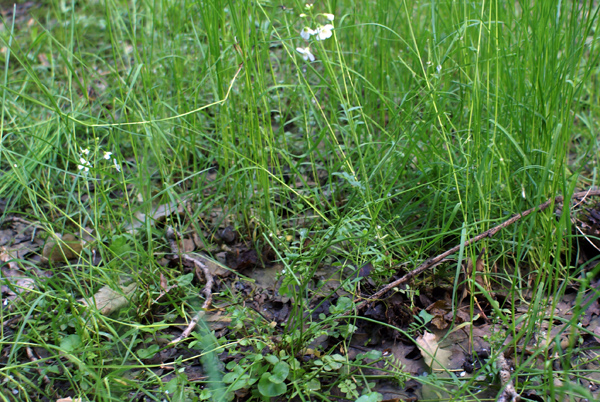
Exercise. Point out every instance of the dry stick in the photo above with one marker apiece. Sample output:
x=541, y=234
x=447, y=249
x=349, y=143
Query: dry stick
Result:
x=508, y=394
x=488, y=233
x=200, y=267
x=34, y=360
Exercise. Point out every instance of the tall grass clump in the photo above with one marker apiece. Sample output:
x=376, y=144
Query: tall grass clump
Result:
x=412, y=128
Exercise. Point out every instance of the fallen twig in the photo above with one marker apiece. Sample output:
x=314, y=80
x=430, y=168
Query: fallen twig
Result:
x=200, y=269
x=488, y=233
x=508, y=394
x=34, y=360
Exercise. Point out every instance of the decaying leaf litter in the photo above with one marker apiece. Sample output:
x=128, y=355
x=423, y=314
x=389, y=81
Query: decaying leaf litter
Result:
x=450, y=341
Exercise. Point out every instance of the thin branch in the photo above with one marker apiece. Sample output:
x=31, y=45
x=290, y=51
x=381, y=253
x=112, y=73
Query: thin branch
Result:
x=488, y=233
x=508, y=394
x=200, y=269
x=34, y=360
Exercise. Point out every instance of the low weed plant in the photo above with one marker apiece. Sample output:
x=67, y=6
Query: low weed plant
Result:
x=341, y=144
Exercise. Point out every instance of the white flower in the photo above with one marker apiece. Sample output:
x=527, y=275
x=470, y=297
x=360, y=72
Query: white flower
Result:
x=330, y=17
x=302, y=15
x=117, y=166
x=324, y=32
x=308, y=6
x=85, y=165
x=306, y=33
x=107, y=155
x=85, y=151
x=306, y=53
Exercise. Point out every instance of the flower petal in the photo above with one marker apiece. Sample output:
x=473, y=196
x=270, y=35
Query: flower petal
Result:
x=306, y=33
x=324, y=32
x=306, y=53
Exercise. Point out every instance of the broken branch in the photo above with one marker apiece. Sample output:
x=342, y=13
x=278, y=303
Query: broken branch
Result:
x=488, y=233
x=200, y=269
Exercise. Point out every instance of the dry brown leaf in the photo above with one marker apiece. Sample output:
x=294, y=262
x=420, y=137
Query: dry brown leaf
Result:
x=217, y=321
x=68, y=247
x=215, y=268
x=17, y=251
x=480, y=273
x=6, y=256
x=163, y=283
x=439, y=322
x=159, y=212
x=597, y=333
x=435, y=357
x=439, y=310
x=188, y=245
x=107, y=300
x=20, y=281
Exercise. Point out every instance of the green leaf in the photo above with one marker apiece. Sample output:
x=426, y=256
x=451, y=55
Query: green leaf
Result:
x=148, y=352
x=313, y=385
x=373, y=354
x=350, y=179
x=70, y=342
x=237, y=378
x=51, y=369
x=185, y=280
x=272, y=359
x=172, y=385
x=234, y=366
x=270, y=389
x=426, y=317
x=343, y=305
x=205, y=395
x=120, y=245
x=230, y=377
x=280, y=372
x=370, y=397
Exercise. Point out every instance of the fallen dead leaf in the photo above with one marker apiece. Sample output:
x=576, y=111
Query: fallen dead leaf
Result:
x=596, y=332
x=188, y=245
x=16, y=282
x=158, y=213
x=215, y=268
x=479, y=274
x=66, y=248
x=217, y=321
x=107, y=300
x=439, y=309
x=435, y=357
